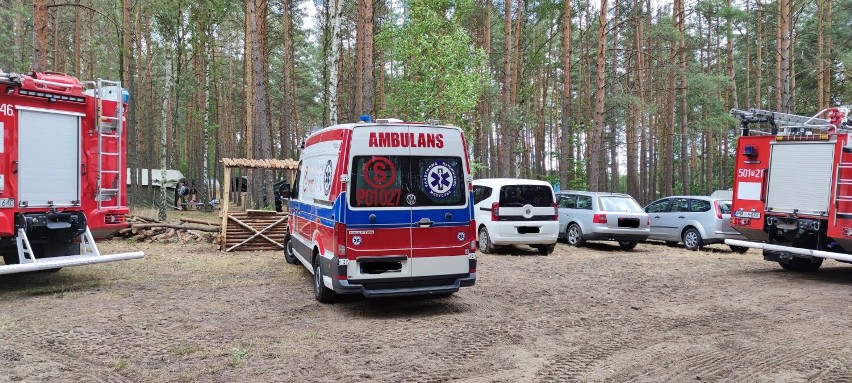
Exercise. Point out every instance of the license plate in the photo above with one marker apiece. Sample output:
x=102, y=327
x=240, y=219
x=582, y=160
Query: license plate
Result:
x=746, y=214
x=7, y=202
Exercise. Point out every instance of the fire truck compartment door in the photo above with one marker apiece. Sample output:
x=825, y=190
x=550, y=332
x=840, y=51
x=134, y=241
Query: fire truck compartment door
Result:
x=800, y=177
x=48, y=158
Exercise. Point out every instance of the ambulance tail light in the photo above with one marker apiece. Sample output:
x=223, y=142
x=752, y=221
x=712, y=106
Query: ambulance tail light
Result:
x=599, y=218
x=495, y=211
x=472, y=233
x=718, y=209
x=340, y=239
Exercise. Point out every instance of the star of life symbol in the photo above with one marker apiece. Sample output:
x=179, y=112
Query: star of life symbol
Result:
x=460, y=236
x=356, y=240
x=327, y=174
x=439, y=179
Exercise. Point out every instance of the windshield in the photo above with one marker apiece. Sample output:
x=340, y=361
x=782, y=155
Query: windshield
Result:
x=618, y=203
x=520, y=195
x=394, y=181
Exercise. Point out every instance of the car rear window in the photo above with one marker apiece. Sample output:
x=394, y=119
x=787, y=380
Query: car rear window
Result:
x=699, y=206
x=393, y=181
x=725, y=206
x=618, y=203
x=520, y=195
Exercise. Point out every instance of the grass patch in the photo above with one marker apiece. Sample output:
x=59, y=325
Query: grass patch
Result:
x=238, y=356
x=185, y=349
x=119, y=364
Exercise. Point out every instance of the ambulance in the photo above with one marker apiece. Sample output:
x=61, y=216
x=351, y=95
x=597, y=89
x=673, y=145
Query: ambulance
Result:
x=383, y=209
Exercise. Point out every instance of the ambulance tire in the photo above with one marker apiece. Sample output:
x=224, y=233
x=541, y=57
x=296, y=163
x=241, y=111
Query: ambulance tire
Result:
x=289, y=256
x=802, y=265
x=545, y=249
x=483, y=241
x=321, y=293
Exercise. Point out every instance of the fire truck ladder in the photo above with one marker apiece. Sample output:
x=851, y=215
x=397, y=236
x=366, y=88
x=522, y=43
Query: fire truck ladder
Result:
x=845, y=163
x=109, y=127
x=782, y=123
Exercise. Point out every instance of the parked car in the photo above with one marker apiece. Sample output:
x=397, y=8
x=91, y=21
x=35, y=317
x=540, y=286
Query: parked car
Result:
x=513, y=211
x=694, y=220
x=600, y=216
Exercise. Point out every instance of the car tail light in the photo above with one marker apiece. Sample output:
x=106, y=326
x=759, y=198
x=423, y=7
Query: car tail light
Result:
x=555, y=212
x=340, y=239
x=649, y=220
x=718, y=209
x=599, y=218
x=495, y=211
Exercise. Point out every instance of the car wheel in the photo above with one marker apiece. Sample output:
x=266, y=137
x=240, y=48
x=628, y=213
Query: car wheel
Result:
x=575, y=235
x=289, y=255
x=545, y=249
x=628, y=245
x=483, y=241
x=692, y=239
x=739, y=249
x=802, y=265
x=321, y=293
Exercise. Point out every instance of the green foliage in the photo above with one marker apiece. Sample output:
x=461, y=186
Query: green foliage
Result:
x=437, y=73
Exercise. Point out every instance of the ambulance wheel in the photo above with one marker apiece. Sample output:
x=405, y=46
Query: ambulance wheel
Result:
x=483, y=241
x=692, y=239
x=627, y=245
x=574, y=235
x=802, y=264
x=321, y=293
x=545, y=249
x=289, y=256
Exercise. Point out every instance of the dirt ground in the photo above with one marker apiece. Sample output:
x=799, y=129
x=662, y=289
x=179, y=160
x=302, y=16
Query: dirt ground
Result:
x=187, y=313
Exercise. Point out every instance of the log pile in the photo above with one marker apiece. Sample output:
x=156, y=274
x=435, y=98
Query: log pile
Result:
x=254, y=230
x=144, y=229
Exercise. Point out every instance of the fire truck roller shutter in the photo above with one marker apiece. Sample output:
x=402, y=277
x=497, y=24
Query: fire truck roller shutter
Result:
x=48, y=158
x=800, y=177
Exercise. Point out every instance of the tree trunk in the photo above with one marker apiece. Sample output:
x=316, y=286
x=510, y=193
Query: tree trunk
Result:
x=163, y=129
x=785, y=55
x=680, y=20
x=566, y=158
x=334, y=60
x=758, y=63
x=596, y=153
x=505, y=125
x=40, y=13
x=260, y=183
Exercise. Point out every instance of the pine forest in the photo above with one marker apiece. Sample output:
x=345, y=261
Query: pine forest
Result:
x=629, y=96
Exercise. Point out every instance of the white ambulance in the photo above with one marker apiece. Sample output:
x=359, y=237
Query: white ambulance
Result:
x=384, y=209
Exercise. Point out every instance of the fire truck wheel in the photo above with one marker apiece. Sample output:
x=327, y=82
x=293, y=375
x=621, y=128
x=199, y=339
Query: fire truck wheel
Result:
x=692, y=239
x=10, y=259
x=321, y=293
x=545, y=249
x=627, y=245
x=289, y=256
x=802, y=264
x=574, y=235
x=483, y=241
x=739, y=249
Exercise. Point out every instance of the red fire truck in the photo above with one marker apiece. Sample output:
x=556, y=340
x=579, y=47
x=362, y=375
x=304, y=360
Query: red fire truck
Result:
x=62, y=170
x=793, y=187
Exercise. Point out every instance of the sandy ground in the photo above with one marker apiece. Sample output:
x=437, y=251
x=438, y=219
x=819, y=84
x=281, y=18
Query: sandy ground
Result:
x=187, y=313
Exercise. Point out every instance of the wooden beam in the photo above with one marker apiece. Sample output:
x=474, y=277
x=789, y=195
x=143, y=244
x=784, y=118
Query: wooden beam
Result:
x=225, y=203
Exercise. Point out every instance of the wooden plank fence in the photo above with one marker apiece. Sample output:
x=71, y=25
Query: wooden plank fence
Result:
x=254, y=230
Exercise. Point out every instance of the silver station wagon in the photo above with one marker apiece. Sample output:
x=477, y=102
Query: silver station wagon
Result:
x=694, y=220
x=593, y=216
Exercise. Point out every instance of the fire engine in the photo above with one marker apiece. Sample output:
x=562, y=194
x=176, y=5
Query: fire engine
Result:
x=792, y=194
x=62, y=169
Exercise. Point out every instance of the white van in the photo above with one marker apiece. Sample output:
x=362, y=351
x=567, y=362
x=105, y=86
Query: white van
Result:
x=383, y=209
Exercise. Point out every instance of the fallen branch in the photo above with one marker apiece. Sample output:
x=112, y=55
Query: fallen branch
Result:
x=199, y=221
x=173, y=226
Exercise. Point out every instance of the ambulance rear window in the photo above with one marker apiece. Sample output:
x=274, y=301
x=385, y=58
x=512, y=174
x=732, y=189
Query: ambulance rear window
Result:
x=402, y=181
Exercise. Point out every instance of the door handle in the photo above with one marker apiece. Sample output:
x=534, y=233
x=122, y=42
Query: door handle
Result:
x=681, y=217
x=656, y=216
x=425, y=222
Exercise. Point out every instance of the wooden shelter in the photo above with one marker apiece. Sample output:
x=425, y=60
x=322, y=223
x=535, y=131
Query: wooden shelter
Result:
x=253, y=229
